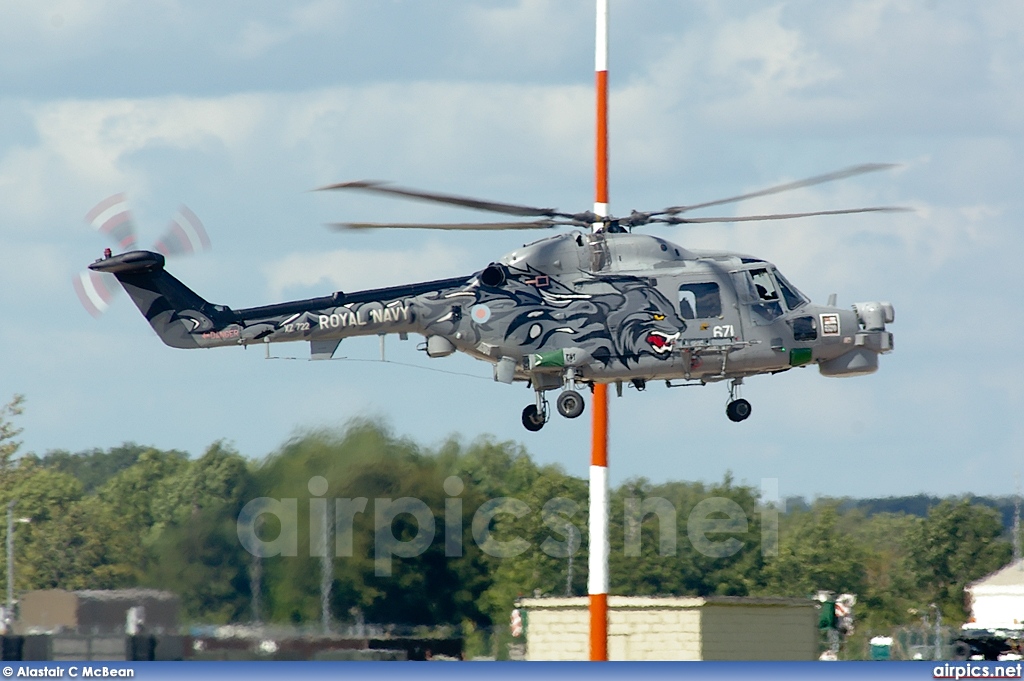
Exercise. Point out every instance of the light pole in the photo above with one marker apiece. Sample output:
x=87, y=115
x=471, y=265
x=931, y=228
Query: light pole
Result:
x=326, y=571
x=568, y=576
x=9, y=615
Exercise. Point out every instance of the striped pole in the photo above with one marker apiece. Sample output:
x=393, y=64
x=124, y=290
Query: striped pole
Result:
x=597, y=581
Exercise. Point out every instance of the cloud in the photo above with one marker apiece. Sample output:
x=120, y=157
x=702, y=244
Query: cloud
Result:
x=259, y=36
x=31, y=272
x=351, y=270
x=757, y=54
x=27, y=21
x=533, y=35
x=84, y=149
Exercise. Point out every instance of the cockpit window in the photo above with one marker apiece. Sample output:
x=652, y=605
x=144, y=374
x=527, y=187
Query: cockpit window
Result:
x=764, y=285
x=700, y=300
x=756, y=289
x=793, y=297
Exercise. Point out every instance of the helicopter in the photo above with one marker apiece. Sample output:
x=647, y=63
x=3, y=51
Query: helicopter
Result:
x=599, y=303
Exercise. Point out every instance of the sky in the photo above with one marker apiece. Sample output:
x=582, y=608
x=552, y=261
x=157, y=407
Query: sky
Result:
x=239, y=109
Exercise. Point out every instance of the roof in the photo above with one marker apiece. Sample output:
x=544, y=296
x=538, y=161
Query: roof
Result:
x=1008, y=579
x=127, y=595
x=665, y=602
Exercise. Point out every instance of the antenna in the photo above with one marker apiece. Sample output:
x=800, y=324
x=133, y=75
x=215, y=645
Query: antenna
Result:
x=597, y=580
x=1016, y=526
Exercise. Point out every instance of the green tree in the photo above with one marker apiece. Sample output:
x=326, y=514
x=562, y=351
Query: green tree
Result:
x=367, y=461
x=221, y=476
x=543, y=519
x=8, y=445
x=957, y=543
x=200, y=559
x=890, y=593
x=70, y=541
x=815, y=554
x=195, y=547
x=691, y=540
x=135, y=494
x=85, y=547
x=95, y=467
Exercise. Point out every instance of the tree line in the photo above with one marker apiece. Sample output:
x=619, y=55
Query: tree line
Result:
x=140, y=516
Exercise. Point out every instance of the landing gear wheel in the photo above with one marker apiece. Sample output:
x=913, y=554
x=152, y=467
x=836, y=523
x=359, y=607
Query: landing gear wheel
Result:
x=533, y=420
x=738, y=410
x=570, y=404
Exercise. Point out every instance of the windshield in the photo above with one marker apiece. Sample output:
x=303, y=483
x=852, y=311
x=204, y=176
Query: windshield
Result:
x=790, y=294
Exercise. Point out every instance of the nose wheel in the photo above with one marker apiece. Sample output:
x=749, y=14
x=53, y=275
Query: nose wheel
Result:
x=738, y=408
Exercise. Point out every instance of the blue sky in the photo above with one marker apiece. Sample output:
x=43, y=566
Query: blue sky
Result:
x=237, y=109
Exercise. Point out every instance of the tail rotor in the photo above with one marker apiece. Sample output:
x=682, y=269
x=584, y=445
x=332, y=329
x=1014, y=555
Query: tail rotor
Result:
x=113, y=218
x=184, y=236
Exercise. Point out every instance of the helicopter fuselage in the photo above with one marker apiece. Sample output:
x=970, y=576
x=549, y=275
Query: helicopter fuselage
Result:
x=575, y=308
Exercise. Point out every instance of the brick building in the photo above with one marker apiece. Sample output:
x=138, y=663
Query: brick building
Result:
x=643, y=628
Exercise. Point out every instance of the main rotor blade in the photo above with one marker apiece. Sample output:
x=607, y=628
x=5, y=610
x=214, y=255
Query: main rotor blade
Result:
x=672, y=220
x=450, y=199
x=538, y=224
x=788, y=186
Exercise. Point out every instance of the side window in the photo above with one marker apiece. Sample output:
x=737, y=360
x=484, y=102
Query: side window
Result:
x=805, y=329
x=700, y=301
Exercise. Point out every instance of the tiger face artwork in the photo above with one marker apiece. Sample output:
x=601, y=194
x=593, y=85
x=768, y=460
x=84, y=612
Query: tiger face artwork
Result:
x=625, y=322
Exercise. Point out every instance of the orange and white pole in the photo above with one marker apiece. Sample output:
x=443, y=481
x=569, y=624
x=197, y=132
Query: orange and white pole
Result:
x=601, y=69
x=597, y=582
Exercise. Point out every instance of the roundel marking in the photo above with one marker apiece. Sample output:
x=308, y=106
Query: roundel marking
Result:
x=481, y=314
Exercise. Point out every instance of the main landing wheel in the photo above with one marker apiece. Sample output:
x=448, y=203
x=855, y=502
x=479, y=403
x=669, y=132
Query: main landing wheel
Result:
x=738, y=410
x=533, y=420
x=570, y=404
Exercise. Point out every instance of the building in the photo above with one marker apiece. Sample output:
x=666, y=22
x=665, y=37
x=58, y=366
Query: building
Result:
x=996, y=601
x=642, y=628
x=97, y=611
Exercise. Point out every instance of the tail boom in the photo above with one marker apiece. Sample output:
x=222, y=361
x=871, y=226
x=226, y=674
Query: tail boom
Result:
x=183, y=319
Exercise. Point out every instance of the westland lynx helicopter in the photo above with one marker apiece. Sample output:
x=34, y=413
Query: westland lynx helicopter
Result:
x=603, y=305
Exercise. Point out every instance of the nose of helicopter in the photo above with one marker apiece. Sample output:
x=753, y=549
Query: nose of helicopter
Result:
x=871, y=340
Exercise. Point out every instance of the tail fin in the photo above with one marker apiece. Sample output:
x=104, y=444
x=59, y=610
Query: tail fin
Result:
x=173, y=310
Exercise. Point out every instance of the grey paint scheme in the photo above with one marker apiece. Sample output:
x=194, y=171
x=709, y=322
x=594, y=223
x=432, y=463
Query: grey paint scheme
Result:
x=610, y=299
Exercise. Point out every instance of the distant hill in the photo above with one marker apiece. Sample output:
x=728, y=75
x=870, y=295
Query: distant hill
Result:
x=916, y=505
x=95, y=466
